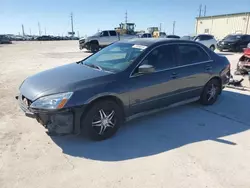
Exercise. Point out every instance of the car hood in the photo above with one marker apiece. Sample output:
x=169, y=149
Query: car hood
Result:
x=229, y=41
x=61, y=79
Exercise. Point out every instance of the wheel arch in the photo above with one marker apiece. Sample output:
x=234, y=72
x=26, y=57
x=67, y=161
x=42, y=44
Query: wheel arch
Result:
x=108, y=96
x=94, y=42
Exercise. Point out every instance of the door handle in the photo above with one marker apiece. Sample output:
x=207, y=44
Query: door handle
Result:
x=174, y=75
x=208, y=67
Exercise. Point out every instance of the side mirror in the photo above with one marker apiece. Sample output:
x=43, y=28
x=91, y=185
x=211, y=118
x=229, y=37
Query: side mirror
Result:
x=145, y=69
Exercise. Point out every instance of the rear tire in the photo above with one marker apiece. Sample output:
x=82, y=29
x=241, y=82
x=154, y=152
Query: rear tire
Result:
x=102, y=120
x=210, y=92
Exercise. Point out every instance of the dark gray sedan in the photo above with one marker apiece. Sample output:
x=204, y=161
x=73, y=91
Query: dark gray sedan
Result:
x=94, y=96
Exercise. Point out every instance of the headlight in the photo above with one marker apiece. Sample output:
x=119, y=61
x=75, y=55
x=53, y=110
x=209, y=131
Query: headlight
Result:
x=56, y=101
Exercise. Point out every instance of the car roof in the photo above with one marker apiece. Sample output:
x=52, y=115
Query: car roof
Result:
x=155, y=41
x=205, y=35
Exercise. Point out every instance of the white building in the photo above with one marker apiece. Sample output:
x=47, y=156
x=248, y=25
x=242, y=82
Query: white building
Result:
x=222, y=25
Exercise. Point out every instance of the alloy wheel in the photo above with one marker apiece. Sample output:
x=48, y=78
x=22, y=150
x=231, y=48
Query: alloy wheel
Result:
x=211, y=93
x=104, y=121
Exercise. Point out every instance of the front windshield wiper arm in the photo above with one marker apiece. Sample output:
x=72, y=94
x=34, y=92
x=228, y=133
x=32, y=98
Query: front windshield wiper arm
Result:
x=93, y=66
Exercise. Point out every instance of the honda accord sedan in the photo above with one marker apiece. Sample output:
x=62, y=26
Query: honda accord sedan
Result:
x=97, y=94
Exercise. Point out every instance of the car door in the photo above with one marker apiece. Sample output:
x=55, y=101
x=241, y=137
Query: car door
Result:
x=104, y=38
x=157, y=89
x=194, y=70
x=113, y=36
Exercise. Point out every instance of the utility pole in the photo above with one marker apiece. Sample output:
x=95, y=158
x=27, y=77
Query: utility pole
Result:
x=72, y=24
x=23, y=30
x=205, y=10
x=160, y=27
x=173, y=27
x=126, y=17
x=30, y=32
x=200, y=10
x=39, y=29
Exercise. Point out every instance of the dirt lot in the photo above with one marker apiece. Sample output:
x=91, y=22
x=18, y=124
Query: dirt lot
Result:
x=188, y=146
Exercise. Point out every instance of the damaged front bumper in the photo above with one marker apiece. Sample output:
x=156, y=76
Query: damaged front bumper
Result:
x=61, y=122
x=83, y=44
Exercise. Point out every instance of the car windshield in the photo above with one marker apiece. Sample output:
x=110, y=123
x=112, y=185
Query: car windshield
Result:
x=233, y=37
x=116, y=57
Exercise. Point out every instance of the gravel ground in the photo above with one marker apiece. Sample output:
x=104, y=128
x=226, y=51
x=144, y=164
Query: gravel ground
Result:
x=188, y=146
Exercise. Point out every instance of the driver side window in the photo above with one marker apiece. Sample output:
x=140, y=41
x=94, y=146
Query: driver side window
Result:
x=161, y=57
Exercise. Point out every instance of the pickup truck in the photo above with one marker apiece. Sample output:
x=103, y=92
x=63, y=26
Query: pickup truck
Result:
x=101, y=39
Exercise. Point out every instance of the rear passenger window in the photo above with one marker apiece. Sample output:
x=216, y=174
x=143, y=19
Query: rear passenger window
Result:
x=190, y=54
x=161, y=58
x=112, y=33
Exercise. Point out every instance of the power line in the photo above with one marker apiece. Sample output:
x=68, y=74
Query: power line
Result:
x=23, y=30
x=39, y=29
x=72, y=25
x=126, y=17
x=173, y=27
x=200, y=9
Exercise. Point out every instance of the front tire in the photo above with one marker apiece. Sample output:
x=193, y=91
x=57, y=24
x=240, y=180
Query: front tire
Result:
x=94, y=47
x=210, y=92
x=102, y=120
x=212, y=47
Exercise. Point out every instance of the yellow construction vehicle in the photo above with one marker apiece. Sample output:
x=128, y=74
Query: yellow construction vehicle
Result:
x=159, y=34
x=126, y=28
x=154, y=31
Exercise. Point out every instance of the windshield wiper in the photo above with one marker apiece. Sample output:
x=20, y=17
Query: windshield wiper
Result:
x=93, y=66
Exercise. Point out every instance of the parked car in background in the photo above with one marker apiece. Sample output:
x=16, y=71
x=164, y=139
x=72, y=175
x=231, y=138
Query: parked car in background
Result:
x=243, y=65
x=207, y=40
x=162, y=35
x=145, y=35
x=235, y=42
x=102, y=39
x=95, y=95
x=173, y=36
x=44, y=38
x=187, y=37
x=4, y=39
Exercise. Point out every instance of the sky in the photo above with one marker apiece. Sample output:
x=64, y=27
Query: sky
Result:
x=91, y=15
